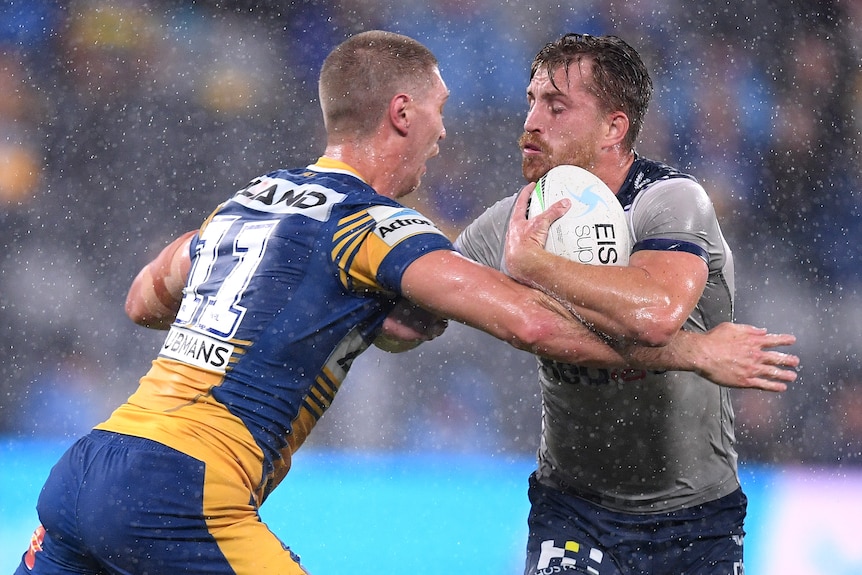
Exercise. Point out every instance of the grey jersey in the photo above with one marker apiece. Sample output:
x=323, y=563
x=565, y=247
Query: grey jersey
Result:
x=635, y=441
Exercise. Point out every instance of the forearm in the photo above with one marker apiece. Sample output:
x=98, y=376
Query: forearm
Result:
x=682, y=353
x=485, y=299
x=570, y=340
x=603, y=297
x=730, y=355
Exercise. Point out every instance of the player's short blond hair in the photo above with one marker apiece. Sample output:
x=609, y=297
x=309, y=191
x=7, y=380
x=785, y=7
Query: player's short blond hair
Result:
x=362, y=74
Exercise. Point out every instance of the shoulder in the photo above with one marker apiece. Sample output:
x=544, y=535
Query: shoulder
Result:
x=644, y=174
x=675, y=193
x=482, y=240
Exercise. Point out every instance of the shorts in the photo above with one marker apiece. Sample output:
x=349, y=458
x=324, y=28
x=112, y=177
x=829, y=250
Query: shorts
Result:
x=117, y=504
x=570, y=535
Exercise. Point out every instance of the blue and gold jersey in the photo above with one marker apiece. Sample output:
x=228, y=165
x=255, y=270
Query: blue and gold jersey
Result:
x=291, y=279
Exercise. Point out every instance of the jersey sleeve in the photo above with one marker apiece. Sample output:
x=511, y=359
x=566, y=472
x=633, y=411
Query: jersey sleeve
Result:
x=676, y=215
x=484, y=239
x=372, y=248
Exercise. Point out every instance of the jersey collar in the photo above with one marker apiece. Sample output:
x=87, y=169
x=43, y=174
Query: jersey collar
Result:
x=325, y=164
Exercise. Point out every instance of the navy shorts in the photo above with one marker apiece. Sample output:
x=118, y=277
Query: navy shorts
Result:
x=117, y=504
x=572, y=535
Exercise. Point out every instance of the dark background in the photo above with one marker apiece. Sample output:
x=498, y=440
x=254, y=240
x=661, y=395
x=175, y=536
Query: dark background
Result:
x=122, y=124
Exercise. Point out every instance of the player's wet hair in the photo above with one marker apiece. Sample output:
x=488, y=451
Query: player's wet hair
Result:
x=362, y=74
x=621, y=80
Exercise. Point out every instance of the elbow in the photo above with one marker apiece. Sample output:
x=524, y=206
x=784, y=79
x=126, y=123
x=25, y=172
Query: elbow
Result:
x=552, y=340
x=533, y=336
x=134, y=312
x=657, y=327
x=548, y=336
x=137, y=313
x=655, y=336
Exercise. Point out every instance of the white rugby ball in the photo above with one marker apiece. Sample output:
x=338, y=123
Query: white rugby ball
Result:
x=594, y=230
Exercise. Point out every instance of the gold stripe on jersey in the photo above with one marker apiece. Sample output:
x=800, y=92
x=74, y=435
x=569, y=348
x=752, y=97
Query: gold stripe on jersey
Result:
x=321, y=395
x=327, y=386
x=351, y=222
x=240, y=349
x=344, y=251
x=348, y=242
x=174, y=406
x=368, y=259
x=314, y=405
x=300, y=428
x=315, y=401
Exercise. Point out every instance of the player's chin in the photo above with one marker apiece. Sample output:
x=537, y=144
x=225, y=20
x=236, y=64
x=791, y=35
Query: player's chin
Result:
x=409, y=187
x=534, y=167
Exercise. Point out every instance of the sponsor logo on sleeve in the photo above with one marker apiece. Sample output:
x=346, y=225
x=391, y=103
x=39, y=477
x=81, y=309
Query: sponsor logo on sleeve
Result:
x=394, y=224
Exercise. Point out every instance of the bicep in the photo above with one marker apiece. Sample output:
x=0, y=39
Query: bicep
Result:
x=680, y=276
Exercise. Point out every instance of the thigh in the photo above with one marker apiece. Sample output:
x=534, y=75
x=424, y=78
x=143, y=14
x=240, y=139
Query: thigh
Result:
x=702, y=540
x=247, y=544
x=55, y=546
x=167, y=512
x=141, y=507
x=562, y=535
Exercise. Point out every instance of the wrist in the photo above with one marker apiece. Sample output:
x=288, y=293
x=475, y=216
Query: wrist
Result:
x=689, y=355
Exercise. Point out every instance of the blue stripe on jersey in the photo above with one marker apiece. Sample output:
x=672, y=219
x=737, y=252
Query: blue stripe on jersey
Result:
x=665, y=245
x=270, y=268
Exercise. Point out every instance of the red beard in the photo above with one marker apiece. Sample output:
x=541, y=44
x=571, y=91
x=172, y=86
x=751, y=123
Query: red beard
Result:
x=533, y=166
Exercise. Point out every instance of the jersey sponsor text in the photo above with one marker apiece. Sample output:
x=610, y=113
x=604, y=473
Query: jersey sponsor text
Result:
x=197, y=349
x=279, y=196
x=396, y=224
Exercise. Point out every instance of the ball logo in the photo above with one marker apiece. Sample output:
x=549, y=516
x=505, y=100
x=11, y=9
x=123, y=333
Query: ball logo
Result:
x=585, y=202
x=594, y=229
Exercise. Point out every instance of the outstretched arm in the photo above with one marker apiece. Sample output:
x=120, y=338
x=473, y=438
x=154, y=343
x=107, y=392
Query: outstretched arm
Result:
x=157, y=291
x=452, y=286
x=730, y=355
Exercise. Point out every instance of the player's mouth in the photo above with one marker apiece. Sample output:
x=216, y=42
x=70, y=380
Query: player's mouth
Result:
x=530, y=146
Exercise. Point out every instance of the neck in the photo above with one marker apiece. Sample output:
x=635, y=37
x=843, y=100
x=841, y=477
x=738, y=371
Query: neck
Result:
x=615, y=170
x=369, y=160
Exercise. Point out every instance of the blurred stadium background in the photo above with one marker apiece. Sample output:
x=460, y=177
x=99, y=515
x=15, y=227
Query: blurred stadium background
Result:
x=122, y=123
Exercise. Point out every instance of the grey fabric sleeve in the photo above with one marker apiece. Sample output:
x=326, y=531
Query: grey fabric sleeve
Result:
x=483, y=240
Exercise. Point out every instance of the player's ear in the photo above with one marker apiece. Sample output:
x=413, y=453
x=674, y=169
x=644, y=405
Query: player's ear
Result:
x=399, y=116
x=618, y=127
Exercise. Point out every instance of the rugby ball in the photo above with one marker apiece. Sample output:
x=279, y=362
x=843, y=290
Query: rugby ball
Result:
x=594, y=230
